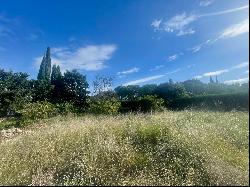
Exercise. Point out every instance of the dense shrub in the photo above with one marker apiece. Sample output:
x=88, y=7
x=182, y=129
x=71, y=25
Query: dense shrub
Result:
x=151, y=103
x=100, y=106
x=227, y=102
x=38, y=110
x=145, y=104
x=65, y=108
x=14, y=92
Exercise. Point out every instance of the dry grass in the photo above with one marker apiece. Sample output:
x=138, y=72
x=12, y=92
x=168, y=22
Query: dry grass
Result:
x=169, y=148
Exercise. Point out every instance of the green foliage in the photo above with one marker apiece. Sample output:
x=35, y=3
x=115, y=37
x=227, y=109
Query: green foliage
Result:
x=14, y=92
x=45, y=67
x=58, y=85
x=56, y=74
x=104, y=106
x=41, y=90
x=65, y=108
x=151, y=103
x=236, y=101
x=74, y=88
x=130, y=92
x=147, y=103
x=170, y=91
x=37, y=110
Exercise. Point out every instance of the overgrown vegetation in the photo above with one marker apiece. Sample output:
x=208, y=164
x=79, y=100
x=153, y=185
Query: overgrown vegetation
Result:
x=168, y=148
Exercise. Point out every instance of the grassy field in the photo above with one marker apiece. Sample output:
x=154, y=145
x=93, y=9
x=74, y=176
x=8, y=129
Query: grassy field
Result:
x=168, y=148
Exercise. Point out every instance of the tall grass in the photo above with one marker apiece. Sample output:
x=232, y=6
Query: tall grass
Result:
x=168, y=148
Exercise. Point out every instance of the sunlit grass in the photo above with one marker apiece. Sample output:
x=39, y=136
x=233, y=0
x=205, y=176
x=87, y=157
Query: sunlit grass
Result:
x=168, y=148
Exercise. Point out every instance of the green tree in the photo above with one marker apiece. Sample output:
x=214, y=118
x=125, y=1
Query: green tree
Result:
x=130, y=92
x=57, y=83
x=170, y=91
x=45, y=67
x=56, y=74
x=41, y=90
x=75, y=88
x=14, y=92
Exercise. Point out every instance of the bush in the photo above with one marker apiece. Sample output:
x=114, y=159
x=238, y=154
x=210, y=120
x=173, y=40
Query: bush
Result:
x=145, y=104
x=226, y=102
x=38, y=110
x=151, y=103
x=66, y=108
x=110, y=106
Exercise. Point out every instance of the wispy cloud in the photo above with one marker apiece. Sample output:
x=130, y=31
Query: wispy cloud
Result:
x=143, y=80
x=241, y=65
x=132, y=70
x=174, y=71
x=214, y=73
x=205, y=3
x=89, y=58
x=239, y=81
x=180, y=23
x=247, y=71
x=230, y=32
x=157, y=67
x=219, y=72
x=198, y=77
x=156, y=24
x=235, y=30
x=224, y=11
x=174, y=57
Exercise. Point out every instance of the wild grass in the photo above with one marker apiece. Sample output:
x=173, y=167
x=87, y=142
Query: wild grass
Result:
x=167, y=148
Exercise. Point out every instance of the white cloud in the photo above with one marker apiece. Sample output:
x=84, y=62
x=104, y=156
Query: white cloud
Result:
x=132, y=70
x=156, y=24
x=241, y=65
x=175, y=71
x=179, y=24
x=214, y=73
x=230, y=32
x=219, y=72
x=145, y=79
x=247, y=72
x=235, y=30
x=198, y=77
x=239, y=81
x=157, y=67
x=174, y=57
x=205, y=3
x=89, y=58
x=224, y=11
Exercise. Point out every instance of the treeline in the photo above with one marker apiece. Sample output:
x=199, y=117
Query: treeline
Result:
x=56, y=93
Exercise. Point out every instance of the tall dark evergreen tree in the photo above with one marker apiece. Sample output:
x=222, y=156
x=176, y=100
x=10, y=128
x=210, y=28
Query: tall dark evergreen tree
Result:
x=56, y=74
x=216, y=80
x=41, y=74
x=45, y=67
x=211, y=80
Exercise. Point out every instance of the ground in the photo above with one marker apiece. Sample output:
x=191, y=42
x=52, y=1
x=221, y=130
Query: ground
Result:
x=168, y=148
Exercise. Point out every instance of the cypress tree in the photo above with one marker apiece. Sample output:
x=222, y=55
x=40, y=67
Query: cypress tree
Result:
x=56, y=74
x=216, y=80
x=45, y=67
x=48, y=65
x=211, y=80
x=41, y=73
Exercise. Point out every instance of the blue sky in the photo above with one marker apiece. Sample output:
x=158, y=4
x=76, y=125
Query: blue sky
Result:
x=136, y=41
